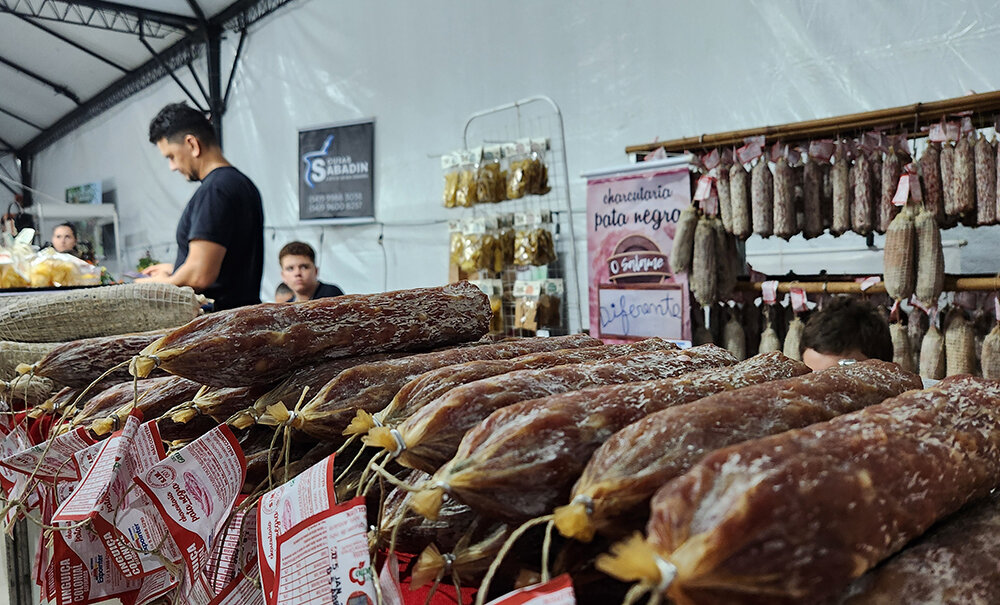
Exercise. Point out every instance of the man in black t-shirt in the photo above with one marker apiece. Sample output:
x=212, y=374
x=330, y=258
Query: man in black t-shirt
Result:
x=220, y=235
x=300, y=273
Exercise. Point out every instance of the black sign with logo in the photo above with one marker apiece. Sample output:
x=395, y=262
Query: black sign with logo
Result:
x=337, y=171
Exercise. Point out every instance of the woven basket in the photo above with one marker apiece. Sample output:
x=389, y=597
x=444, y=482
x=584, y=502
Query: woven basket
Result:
x=107, y=311
x=14, y=353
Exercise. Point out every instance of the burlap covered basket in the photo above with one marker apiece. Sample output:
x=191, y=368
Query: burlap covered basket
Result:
x=65, y=316
x=14, y=353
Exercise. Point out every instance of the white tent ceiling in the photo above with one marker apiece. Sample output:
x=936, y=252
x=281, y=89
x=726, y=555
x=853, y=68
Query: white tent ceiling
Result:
x=57, y=54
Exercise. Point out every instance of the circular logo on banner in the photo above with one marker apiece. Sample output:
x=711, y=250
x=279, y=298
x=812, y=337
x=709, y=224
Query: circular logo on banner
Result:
x=637, y=260
x=161, y=477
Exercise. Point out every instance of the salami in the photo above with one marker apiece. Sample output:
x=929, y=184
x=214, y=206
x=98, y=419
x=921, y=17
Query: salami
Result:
x=551, y=438
x=704, y=276
x=739, y=199
x=683, y=245
x=218, y=403
x=964, y=178
x=725, y=201
x=863, y=202
x=416, y=532
x=958, y=561
x=784, y=200
x=891, y=170
x=761, y=198
x=261, y=344
x=155, y=397
x=624, y=473
x=812, y=194
x=930, y=178
x=986, y=182
x=371, y=387
x=80, y=362
x=826, y=502
x=430, y=437
x=840, y=178
x=427, y=387
x=947, y=158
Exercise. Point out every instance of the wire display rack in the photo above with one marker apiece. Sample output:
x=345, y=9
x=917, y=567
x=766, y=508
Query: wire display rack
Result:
x=535, y=117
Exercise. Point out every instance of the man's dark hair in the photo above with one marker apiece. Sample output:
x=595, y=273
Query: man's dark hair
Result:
x=72, y=229
x=177, y=120
x=282, y=290
x=297, y=249
x=847, y=324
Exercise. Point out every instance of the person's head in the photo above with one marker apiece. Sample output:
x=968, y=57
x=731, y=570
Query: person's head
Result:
x=64, y=237
x=845, y=328
x=185, y=137
x=298, y=269
x=283, y=293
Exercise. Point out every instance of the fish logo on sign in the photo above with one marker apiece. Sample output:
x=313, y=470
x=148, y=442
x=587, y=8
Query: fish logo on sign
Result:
x=313, y=156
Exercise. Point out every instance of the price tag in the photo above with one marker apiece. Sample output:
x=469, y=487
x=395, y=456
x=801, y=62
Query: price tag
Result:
x=557, y=591
x=937, y=134
x=821, y=149
x=769, y=291
x=868, y=282
x=902, y=190
x=711, y=159
x=917, y=304
x=951, y=131
x=704, y=189
x=799, y=299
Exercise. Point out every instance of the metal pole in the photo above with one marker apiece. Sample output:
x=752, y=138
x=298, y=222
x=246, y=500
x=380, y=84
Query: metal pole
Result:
x=215, y=106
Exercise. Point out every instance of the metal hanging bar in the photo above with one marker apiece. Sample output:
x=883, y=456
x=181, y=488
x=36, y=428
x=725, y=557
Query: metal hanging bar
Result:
x=952, y=283
x=20, y=119
x=59, y=88
x=71, y=42
x=232, y=71
x=170, y=72
x=99, y=14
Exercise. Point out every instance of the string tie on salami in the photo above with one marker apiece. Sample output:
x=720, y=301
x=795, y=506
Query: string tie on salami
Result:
x=428, y=500
x=573, y=520
x=635, y=560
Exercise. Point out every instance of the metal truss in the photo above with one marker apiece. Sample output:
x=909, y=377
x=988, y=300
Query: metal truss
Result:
x=244, y=13
x=103, y=15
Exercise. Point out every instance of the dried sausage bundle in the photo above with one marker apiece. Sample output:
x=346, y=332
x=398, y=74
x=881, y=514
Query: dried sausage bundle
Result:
x=862, y=206
x=80, y=362
x=785, y=225
x=964, y=179
x=219, y=403
x=891, y=170
x=840, y=178
x=26, y=390
x=683, y=246
x=991, y=354
x=930, y=178
x=725, y=199
x=930, y=259
x=431, y=436
x=796, y=516
x=739, y=199
x=947, y=158
x=372, y=386
x=900, y=256
x=727, y=261
x=761, y=200
x=902, y=354
x=414, y=532
x=427, y=387
x=958, y=561
x=734, y=338
x=769, y=340
x=812, y=199
x=263, y=343
x=156, y=397
x=625, y=472
x=932, y=365
x=553, y=437
x=986, y=182
x=916, y=327
x=959, y=345
x=793, y=339
x=704, y=277
x=466, y=563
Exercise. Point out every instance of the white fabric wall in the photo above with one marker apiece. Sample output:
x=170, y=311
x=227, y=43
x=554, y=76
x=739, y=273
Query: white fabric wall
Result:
x=623, y=73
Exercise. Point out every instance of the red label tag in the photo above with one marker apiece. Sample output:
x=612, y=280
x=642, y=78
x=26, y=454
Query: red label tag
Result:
x=769, y=291
x=868, y=282
x=902, y=190
x=916, y=303
x=967, y=128
x=821, y=150
x=748, y=153
x=704, y=189
x=794, y=155
x=777, y=150
x=799, y=299
x=936, y=134
x=894, y=312
x=951, y=131
x=557, y=591
x=711, y=159
x=711, y=206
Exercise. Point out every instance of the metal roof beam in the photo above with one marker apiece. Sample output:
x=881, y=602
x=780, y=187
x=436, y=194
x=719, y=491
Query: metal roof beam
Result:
x=103, y=15
x=59, y=88
x=20, y=119
x=243, y=13
x=152, y=71
x=71, y=42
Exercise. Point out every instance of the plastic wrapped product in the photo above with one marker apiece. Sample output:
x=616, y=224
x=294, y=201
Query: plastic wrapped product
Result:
x=489, y=470
x=820, y=500
x=431, y=436
x=624, y=473
x=261, y=344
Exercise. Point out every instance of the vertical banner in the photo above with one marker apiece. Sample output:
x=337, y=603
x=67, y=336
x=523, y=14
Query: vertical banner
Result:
x=337, y=172
x=632, y=215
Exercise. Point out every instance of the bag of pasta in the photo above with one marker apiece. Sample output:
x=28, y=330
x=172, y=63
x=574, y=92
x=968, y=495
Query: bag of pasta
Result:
x=538, y=172
x=490, y=183
x=53, y=269
x=534, y=243
x=465, y=194
x=518, y=174
x=450, y=167
x=15, y=259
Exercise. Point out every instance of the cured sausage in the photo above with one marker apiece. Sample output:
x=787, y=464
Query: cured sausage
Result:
x=80, y=362
x=794, y=517
x=930, y=178
x=739, y=199
x=785, y=225
x=371, y=387
x=761, y=198
x=427, y=387
x=430, y=437
x=840, y=178
x=550, y=439
x=625, y=472
x=261, y=344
